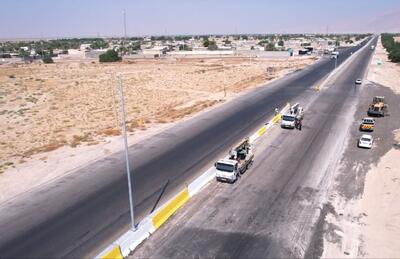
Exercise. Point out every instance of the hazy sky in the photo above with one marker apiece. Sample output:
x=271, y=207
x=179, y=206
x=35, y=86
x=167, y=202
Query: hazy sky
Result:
x=70, y=18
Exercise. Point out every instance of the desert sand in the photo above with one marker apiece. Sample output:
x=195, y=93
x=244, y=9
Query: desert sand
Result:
x=44, y=107
x=384, y=72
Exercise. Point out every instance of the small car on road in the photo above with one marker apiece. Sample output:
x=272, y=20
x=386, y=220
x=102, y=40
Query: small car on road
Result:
x=358, y=81
x=365, y=141
x=367, y=124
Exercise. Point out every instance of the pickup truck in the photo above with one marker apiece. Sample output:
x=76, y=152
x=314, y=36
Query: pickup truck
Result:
x=240, y=159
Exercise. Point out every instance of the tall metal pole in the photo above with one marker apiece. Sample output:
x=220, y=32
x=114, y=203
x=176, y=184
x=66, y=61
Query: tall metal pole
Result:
x=124, y=40
x=124, y=24
x=121, y=91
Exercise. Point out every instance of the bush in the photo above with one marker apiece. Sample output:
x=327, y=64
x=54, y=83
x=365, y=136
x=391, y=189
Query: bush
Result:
x=263, y=42
x=270, y=47
x=47, y=60
x=185, y=47
x=281, y=43
x=110, y=56
x=206, y=43
x=212, y=45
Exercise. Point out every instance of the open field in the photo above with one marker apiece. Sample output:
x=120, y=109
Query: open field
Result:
x=44, y=107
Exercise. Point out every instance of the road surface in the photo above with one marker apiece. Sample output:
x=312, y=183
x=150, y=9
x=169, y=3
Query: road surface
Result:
x=274, y=209
x=81, y=213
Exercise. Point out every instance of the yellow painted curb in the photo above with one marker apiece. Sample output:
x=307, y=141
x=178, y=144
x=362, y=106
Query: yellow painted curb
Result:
x=170, y=208
x=276, y=118
x=114, y=254
x=262, y=131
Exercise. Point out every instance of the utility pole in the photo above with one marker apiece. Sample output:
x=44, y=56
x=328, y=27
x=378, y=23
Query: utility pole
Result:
x=124, y=40
x=131, y=207
x=124, y=24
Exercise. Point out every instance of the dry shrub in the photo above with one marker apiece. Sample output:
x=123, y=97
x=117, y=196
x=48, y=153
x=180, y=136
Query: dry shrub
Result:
x=137, y=124
x=77, y=140
x=110, y=132
x=46, y=148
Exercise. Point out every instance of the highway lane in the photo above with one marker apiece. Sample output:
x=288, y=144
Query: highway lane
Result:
x=80, y=213
x=272, y=211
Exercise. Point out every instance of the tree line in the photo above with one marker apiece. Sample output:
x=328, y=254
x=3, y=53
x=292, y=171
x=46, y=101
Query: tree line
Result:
x=391, y=46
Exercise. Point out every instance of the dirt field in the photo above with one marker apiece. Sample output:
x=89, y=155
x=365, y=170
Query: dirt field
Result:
x=44, y=107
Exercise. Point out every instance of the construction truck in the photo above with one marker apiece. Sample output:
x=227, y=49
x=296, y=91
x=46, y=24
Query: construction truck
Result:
x=378, y=107
x=240, y=159
x=288, y=120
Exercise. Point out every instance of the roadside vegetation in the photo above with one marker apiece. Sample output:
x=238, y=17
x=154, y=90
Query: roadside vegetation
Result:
x=391, y=46
x=110, y=56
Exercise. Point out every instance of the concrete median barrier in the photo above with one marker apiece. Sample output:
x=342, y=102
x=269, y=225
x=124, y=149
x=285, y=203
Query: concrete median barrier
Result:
x=114, y=253
x=262, y=131
x=201, y=181
x=173, y=205
x=131, y=239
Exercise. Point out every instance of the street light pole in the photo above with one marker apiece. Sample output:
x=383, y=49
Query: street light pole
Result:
x=131, y=207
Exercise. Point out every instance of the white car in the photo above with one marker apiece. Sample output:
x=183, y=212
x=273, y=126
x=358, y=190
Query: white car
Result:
x=358, y=81
x=365, y=141
x=288, y=121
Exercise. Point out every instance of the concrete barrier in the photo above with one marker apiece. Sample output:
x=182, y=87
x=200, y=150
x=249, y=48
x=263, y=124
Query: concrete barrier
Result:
x=276, y=118
x=114, y=253
x=201, y=181
x=131, y=239
x=261, y=131
x=173, y=205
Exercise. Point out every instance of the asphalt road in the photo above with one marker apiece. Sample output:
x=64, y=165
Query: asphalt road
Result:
x=272, y=211
x=79, y=214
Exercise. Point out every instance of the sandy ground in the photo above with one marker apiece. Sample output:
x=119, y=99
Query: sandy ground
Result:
x=369, y=225
x=58, y=117
x=384, y=72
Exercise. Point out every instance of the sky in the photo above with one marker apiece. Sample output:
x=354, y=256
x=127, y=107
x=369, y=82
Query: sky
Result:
x=92, y=18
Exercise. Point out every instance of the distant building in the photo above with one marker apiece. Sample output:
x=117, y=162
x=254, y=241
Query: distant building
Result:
x=157, y=50
x=84, y=47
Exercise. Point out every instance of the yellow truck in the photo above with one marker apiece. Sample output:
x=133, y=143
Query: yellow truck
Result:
x=367, y=124
x=378, y=107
